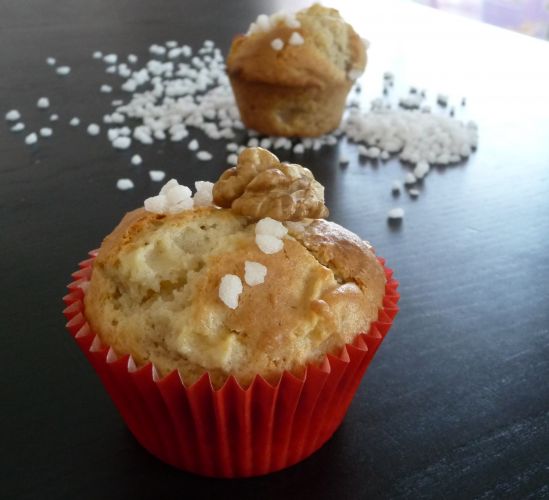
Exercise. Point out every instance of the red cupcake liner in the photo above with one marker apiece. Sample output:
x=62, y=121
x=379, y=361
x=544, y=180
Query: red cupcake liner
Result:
x=231, y=431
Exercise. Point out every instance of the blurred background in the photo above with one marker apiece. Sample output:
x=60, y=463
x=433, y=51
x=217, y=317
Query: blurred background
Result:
x=530, y=17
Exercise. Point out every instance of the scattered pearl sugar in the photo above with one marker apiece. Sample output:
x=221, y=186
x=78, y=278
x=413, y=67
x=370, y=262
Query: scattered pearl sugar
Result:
x=13, y=115
x=374, y=152
x=254, y=273
x=43, y=103
x=128, y=85
x=178, y=132
x=362, y=150
x=414, y=193
x=277, y=44
x=414, y=135
x=232, y=146
x=204, y=156
x=265, y=23
x=174, y=53
x=142, y=134
x=136, y=160
x=50, y=61
x=232, y=159
x=157, y=175
x=179, y=198
x=156, y=204
x=396, y=187
x=411, y=101
x=105, y=89
x=97, y=54
x=292, y=22
x=124, y=71
x=46, y=132
x=132, y=58
x=271, y=227
x=122, y=142
x=299, y=149
x=230, y=289
x=18, y=127
x=75, y=121
x=173, y=198
x=110, y=69
x=296, y=39
x=157, y=50
x=117, y=118
x=54, y=118
x=422, y=169
x=166, y=187
x=343, y=160
x=196, y=94
x=184, y=204
x=262, y=24
x=63, y=70
x=269, y=234
x=395, y=214
x=203, y=196
x=31, y=138
x=110, y=58
x=193, y=145
x=410, y=178
x=269, y=244
x=124, y=184
x=112, y=134
x=93, y=129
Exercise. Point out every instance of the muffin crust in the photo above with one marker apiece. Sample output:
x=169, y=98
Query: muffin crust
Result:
x=153, y=294
x=299, y=90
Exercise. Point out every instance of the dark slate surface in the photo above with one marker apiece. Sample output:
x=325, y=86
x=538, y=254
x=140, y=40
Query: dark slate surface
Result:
x=456, y=403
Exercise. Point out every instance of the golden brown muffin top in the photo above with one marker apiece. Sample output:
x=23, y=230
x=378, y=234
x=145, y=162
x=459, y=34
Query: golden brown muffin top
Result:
x=155, y=293
x=331, y=51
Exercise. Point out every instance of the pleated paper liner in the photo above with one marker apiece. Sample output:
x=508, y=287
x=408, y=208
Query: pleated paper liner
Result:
x=230, y=432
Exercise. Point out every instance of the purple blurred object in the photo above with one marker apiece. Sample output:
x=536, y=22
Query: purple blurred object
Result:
x=530, y=17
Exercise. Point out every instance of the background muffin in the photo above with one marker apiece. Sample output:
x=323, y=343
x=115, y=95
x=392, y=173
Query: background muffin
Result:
x=291, y=73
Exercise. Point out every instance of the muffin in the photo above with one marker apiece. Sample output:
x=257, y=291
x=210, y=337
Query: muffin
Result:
x=238, y=315
x=291, y=74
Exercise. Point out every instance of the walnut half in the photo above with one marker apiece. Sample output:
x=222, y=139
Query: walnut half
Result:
x=260, y=186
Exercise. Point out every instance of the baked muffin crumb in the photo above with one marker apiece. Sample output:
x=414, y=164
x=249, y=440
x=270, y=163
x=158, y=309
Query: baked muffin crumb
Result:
x=196, y=291
x=292, y=78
